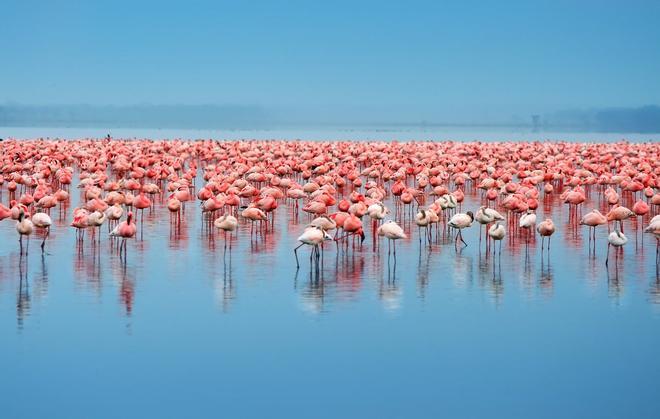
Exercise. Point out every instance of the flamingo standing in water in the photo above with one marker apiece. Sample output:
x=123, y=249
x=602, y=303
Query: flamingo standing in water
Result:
x=546, y=228
x=96, y=220
x=423, y=219
x=528, y=221
x=616, y=239
x=351, y=225
x=393, y=232
x=460, y=221
x=593, y=219
x=485, y=216
x=377, y=212
x=42, y=220
x=24, y=227
x=497, y=232
x=254, y=214
x=80, y=222
x=226, y=223
x=141, y=202
x=125, y=230
x=114, y=214
x=174, y=207
x=312, y=236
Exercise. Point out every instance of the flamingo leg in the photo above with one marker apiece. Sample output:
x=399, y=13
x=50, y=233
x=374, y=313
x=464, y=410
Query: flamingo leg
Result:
x=295, y=252
x=43, y=243
x=460, y=235
x=607, y=259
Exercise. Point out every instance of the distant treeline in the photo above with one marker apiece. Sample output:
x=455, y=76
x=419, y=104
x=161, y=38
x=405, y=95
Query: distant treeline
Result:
x=645, y=119
x=642, y=120
x=142, y=116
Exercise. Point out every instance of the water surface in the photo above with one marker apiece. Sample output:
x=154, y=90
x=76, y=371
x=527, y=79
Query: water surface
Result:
x=184, y=330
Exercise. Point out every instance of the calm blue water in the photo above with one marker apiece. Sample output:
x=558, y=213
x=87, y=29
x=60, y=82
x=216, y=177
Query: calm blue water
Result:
x=181, y=330
x=384, y=133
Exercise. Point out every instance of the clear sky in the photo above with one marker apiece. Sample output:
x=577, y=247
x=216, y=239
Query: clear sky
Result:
x=412, y=56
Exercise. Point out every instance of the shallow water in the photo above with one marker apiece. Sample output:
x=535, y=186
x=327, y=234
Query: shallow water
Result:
x=184, y=330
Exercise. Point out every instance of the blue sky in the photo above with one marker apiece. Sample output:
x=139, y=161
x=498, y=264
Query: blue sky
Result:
x=413, y=57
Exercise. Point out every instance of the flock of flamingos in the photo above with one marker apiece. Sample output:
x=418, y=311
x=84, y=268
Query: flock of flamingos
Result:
x=342, y=186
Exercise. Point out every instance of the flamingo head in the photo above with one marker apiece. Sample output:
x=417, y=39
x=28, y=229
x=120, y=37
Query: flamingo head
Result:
x=469, y=213
x=129, y=217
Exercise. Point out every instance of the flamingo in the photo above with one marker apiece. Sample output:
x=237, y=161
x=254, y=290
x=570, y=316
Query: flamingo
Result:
x=226, y=223
x=460, y=221
x=80, y=222
x=527, y=221
x=24, y=227
x=312, y=236
x=254, y=214
x=485, y=216
x=593, y=219
x=423, y=219
x=619, y=213
x=114, y=213
x=352, y=226
x=497, y=232
x=42, y=220
x=125, y=230
x=616, y=239
x=393, y=232
x=546, y=228
x=96, y=220
x=174, y=207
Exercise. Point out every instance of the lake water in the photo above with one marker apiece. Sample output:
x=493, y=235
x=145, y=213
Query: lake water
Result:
x=184, y=330
x=360, y=133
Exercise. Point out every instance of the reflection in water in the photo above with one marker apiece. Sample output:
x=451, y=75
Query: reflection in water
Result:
x=654, y=291
x=23, y=297
x=546, y=283
x=190, y=248
x=423, y=269
x=313, y=293
x=126, y=288
x=390, y=293
x=224, y=290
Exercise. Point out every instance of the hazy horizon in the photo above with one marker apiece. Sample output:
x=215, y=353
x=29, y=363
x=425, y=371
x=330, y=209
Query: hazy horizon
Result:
x=367, y=62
